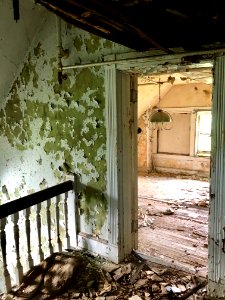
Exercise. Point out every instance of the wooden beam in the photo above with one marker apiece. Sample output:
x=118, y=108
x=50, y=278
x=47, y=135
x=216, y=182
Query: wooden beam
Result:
x=106, y=20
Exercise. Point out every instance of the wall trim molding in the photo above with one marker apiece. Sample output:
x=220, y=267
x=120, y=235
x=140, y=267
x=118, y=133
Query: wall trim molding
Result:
x=121, y=128
x=216, y=273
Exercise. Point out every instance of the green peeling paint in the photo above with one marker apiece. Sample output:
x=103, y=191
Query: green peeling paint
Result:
x=92, y=44
x=94, y=206
x=86, y=78
x=107, y=44
x=38, y=51
x=25, y=75
x=29, y=73
x=70, y=118
x=77, y=42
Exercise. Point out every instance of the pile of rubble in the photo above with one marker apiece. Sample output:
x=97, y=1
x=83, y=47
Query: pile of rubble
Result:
x=78, y=275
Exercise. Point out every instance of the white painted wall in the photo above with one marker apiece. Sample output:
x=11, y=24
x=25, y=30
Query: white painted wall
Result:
x=16, y=38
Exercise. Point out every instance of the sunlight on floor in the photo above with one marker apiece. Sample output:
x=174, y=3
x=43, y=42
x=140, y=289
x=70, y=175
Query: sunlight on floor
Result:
x=173, y=220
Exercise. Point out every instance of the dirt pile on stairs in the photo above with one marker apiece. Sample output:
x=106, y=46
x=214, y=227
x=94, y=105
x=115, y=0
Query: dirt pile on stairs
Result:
x=78, y=275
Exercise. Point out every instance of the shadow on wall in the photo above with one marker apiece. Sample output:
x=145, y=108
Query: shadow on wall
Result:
x=92, y=203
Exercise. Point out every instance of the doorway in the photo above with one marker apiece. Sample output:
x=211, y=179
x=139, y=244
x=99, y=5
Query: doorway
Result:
x=173, y=170
x=119, y=203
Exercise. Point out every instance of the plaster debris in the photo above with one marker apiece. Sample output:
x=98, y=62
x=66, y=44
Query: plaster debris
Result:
x=173, y=289
x=140, y=283
x=136, y=297
x=169, y=211
x=79, y=275
x=155, y=277
x=171, y=221
x=203, y=203
x=122, y=271
x=109, y=267
x=155, y=288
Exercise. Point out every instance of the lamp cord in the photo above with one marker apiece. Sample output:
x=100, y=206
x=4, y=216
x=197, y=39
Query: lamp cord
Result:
x=159, y=92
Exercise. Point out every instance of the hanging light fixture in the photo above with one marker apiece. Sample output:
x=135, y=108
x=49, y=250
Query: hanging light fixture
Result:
x=160, y=119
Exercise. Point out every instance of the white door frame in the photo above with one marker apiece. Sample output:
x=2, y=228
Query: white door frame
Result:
x=216, y=274
x=121, y=120
x=121, y=211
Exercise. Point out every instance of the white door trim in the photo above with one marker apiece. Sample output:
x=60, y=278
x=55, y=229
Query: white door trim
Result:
x=121, y=127
x=120, y=216
x=216, y=272
x=112, y=162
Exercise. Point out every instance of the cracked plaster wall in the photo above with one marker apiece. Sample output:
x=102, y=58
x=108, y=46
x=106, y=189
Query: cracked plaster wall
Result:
x=49, y=130
x=175, y=157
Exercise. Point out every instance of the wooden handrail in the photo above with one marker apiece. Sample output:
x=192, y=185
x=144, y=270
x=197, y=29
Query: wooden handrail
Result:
x=19, y=204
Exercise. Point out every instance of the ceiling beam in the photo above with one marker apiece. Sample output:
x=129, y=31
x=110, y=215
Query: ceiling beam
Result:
x=103, y=19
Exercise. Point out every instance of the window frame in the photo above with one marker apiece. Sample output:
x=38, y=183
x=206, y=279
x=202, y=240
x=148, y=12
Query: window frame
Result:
x=199, y=131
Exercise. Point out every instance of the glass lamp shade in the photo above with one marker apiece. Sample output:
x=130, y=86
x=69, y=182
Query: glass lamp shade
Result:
x=160, y=116
x=160, y=119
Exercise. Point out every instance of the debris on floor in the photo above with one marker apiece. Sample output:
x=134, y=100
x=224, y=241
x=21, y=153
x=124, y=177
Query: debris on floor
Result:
x=173, y=220
x=79, y=275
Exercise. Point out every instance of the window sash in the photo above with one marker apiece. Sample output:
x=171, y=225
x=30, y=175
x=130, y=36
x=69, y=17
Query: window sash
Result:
x=203, y=133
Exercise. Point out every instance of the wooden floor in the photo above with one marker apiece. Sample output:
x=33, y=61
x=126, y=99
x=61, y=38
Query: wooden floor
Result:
x=173, y=221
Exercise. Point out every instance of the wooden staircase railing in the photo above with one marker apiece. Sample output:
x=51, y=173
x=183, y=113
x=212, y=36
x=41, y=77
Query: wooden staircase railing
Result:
x=40, y=219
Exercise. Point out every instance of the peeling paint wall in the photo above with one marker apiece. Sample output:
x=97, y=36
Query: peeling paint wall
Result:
x=142, y=143
x=49, y=130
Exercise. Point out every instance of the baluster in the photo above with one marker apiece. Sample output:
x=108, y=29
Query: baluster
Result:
x=57, y=223
x=38, y=219
x=27, y=225
x=6, y=279
x=66, y=220
x=19, y=268
x=48, y=212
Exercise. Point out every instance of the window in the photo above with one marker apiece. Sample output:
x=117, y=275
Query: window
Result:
x=203, y=133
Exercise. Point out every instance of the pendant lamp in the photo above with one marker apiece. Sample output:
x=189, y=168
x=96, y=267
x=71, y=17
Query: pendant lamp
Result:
x=160, y=119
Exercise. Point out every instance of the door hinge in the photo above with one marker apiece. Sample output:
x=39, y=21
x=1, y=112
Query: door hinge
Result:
x=223, y=240
x=134, y=226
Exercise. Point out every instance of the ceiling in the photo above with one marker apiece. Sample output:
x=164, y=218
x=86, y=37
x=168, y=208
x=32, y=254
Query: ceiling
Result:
x=148, y=86
x=148, y=24
x=202, y=75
